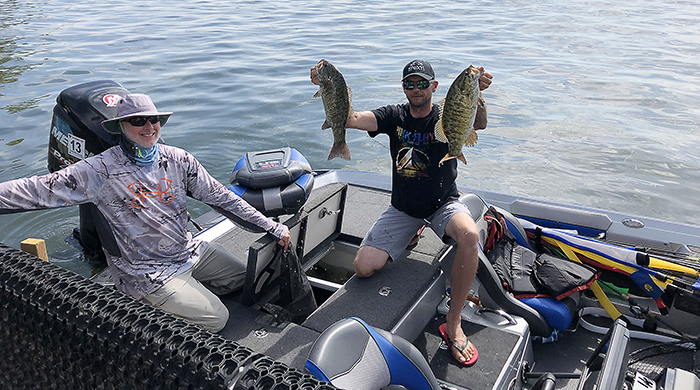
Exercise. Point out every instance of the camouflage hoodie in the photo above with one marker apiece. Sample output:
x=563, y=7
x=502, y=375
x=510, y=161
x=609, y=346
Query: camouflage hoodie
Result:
x=145, y=207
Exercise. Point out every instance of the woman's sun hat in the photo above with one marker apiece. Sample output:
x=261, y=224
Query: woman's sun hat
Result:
x=135, y=104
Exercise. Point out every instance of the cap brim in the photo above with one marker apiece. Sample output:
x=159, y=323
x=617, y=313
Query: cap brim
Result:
x=423, y=75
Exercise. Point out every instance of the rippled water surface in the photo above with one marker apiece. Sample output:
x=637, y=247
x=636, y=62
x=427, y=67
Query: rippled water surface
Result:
x=593, y=103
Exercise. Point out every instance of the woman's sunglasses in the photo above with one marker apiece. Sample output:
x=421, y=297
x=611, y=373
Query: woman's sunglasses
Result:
x=423, y=84
x=139, y=121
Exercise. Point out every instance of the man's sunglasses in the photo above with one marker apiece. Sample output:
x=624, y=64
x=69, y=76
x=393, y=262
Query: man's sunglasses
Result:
x=423, y=84
x=139, y=121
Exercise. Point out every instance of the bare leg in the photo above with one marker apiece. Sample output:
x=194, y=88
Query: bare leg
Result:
x=463, y=230
x=368, y=260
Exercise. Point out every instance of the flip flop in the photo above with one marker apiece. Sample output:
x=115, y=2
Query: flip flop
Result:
x=468, y=363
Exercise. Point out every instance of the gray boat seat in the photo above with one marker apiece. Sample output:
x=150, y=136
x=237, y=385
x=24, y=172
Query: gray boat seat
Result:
x=353, y=355
x=489, y=280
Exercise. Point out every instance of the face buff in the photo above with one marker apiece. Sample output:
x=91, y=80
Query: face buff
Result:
x=138, y=155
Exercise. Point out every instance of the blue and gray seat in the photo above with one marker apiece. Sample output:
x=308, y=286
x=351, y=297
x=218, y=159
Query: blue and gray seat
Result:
x=350, y=354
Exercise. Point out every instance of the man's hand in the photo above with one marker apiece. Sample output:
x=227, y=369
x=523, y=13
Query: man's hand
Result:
x=484, y=81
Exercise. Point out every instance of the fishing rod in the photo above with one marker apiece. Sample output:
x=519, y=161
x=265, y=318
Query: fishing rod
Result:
x=683, y=260
x=638, y=311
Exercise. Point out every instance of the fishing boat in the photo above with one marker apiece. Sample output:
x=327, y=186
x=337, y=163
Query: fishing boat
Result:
x=303, y=320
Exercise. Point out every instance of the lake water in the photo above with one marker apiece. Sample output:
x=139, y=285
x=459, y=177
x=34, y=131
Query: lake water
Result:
x=593, y=103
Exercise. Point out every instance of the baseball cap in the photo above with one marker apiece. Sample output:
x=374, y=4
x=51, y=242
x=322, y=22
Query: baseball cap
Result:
x=419, y=68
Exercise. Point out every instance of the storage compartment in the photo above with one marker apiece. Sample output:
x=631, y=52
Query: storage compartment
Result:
x=331, y=269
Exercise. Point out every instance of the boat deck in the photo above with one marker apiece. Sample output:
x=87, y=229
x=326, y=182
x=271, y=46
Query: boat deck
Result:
x=405, y=279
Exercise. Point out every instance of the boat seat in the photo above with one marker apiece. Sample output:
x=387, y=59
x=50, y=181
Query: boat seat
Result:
x=353, y=355
x=489, y=280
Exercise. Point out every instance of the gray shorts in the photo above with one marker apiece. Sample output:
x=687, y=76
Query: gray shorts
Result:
x=394, y=229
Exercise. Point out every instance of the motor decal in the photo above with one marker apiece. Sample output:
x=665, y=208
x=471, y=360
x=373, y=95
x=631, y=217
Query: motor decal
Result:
x=111, y=100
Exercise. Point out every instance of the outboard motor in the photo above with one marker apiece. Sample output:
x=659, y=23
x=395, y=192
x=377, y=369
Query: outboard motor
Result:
x=76, y=134
x=276, y=182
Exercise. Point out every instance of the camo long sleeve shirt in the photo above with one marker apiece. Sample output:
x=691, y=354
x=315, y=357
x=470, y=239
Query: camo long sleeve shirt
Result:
x=145, y=207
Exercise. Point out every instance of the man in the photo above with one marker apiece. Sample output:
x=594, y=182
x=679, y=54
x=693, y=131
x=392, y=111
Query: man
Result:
x=422, y=191
x=140, y=187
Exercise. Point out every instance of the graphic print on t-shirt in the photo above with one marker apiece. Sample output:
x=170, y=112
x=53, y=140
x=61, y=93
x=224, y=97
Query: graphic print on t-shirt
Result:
x=411, y=160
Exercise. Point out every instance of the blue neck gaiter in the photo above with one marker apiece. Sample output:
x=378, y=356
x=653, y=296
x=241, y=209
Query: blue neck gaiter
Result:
x=139, y=155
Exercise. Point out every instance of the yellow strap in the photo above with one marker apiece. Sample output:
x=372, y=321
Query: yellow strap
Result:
x=667, y=265
x=607, y=262
x=595, y=287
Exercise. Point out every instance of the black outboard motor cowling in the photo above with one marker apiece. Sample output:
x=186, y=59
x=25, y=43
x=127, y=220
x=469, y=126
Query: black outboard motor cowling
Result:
x=76, y=133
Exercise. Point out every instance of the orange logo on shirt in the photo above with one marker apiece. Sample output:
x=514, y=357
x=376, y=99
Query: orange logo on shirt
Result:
x=141, y=193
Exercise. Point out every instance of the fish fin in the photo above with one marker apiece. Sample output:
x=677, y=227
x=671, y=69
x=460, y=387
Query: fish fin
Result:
x=339, y=150
x=350, y=110
x=440, y=132
x=326, y=125
x=439, y=129
x=318, y=93
x=472, y=139
x=448, y=157
x=462, y=159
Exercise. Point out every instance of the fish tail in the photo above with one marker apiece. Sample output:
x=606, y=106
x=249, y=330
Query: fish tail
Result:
x=339, y=150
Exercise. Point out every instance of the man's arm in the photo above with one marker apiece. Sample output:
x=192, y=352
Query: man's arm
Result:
x=363, y=120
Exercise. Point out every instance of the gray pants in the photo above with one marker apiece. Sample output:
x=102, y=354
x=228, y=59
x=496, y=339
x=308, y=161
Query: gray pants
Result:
x=193, y=294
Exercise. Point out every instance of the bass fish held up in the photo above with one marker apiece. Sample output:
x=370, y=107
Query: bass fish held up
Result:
x=457, y=114
x=336, y=97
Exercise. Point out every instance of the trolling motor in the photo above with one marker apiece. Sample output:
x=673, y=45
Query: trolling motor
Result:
x=76, y=133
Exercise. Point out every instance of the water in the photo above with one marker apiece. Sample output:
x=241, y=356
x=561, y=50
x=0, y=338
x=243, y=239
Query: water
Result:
x=593, y=103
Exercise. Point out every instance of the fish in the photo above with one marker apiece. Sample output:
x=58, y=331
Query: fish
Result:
x=457, y=114
x=336, y=97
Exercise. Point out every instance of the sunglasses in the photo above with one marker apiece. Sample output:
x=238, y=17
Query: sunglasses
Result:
x=409, y=85
x=139, y=121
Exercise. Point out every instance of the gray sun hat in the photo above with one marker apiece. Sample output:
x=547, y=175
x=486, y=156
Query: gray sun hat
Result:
x=135, y=104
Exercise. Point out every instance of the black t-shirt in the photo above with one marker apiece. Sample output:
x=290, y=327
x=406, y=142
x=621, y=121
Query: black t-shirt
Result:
x=419, y=186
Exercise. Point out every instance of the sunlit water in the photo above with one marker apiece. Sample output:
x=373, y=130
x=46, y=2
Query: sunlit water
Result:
x=593, y=103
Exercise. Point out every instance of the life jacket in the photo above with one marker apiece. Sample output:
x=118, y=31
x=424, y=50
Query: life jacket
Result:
x=527, y=274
